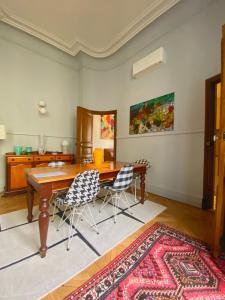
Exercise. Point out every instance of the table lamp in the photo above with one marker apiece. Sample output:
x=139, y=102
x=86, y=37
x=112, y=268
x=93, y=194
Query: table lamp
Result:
x=2, y=132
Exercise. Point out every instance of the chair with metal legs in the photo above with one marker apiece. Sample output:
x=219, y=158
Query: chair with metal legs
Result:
x=117, y=188
x=87, y=161
x=83, y=190
x=102, y=182
x=137, y=176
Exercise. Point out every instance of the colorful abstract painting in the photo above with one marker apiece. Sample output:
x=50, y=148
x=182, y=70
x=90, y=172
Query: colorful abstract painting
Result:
x=107, y=127
x=153, y=115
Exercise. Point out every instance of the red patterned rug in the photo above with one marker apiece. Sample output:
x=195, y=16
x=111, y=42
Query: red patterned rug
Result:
x=161, y=264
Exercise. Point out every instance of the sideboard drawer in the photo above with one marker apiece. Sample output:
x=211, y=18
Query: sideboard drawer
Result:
x=21, y=159
x=64, y=157
x=44, y=158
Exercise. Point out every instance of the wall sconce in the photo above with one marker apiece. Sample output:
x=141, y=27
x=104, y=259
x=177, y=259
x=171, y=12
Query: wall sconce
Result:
x=2, y=132
x=42, y=108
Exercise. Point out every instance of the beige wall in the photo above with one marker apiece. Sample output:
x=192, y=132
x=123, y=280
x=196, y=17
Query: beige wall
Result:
x=30, y=73
x=190, y=34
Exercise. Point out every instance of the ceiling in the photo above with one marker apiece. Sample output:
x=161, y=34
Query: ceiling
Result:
x=96, y=27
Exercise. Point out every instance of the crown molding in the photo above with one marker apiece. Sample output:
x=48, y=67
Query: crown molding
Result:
x=156, y=9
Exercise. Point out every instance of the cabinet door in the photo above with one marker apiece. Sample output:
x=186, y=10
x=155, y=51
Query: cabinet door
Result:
x=17, y=175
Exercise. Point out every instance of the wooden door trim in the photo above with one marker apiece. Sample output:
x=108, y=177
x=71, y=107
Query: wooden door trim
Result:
x=80, y=113
x=210, y=89
x=102, y=113
x=220, y=206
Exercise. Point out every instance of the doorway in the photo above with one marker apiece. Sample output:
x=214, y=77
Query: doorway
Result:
x=96, y=129
x=103, y=134
x=211, y=143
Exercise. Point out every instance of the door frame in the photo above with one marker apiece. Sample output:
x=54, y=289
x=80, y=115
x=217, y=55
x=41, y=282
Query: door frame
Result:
x=208, y=178
x=220, y=205
x=102, y=113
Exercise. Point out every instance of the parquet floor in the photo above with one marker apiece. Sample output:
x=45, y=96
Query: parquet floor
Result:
x=190, y=220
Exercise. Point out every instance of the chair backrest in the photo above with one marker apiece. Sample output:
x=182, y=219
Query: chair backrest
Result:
x=87, y=161
x=124, y=178
x=143, y=162
x=84, y=188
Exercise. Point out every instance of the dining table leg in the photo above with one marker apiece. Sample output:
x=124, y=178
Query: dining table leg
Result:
x=30, y=201
x=142, y=186
x=43, y=225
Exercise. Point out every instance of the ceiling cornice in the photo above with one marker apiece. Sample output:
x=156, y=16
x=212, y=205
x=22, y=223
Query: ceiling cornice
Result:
x=156, y=9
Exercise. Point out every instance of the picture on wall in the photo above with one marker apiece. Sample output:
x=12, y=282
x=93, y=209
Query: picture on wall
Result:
x=153, y=115
x=107, y=127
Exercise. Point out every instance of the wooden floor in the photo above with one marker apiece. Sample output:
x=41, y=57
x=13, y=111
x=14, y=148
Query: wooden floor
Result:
x=187, y=219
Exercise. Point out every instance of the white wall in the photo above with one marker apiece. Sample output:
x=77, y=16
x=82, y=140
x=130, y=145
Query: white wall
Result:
x=100, y=89
x=190, y=34
x=31, y=71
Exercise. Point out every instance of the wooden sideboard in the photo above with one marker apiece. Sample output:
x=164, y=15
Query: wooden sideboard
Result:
x=16, y=164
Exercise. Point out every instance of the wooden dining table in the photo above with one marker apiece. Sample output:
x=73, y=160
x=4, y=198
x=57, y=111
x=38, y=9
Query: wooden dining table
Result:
x=47, y=180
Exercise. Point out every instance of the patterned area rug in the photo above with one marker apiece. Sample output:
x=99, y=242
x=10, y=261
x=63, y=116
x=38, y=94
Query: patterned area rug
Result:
x=220, y=261
x=25, y=276
x=161, y=264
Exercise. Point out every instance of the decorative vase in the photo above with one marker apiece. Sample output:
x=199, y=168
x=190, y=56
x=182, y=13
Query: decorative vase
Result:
x=41, y=144
x=98, y=155
x=65, y=145
x=18, y=150
x=28, y=150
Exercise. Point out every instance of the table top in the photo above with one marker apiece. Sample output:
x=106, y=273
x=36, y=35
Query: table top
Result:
x=51, y=174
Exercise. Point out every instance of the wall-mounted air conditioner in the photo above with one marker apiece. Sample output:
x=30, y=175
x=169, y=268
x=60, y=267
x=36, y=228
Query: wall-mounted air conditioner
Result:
x=154, y=58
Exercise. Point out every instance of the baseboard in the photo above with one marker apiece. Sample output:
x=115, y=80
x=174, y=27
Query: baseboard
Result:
x=174, y=195
x=14, y=193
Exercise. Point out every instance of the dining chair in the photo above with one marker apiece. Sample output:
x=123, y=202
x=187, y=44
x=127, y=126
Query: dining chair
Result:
x=117, y=188
x=82, y=191
x=87, y=161
x=137, y=176
x=102, y=182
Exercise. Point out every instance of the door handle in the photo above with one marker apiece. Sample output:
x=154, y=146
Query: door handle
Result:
x=215, y=138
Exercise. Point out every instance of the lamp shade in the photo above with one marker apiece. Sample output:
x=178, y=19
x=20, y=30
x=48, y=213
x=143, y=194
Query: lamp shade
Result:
x=2, y=132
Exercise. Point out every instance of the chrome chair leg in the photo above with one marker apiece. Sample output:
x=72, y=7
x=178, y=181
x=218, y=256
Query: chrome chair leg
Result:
x=80, y=214
x=93, y=220
x=53, y=214
x=115, y=201
x=128, y=204
x=106, y=200
x=62, y=220
x=70, y=230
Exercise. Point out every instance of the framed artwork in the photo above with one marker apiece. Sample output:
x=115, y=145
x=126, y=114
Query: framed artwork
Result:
x=107, y=127
x=153, y=115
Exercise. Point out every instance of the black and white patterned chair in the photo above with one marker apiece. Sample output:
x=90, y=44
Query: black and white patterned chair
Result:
x=87, y=161
x=137, y=176
x=82, y=191
x=116, y=189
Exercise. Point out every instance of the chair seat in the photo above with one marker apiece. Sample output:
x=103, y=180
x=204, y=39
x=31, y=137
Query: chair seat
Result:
x=106, y=181
x=60, y=200
x=108, y=185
